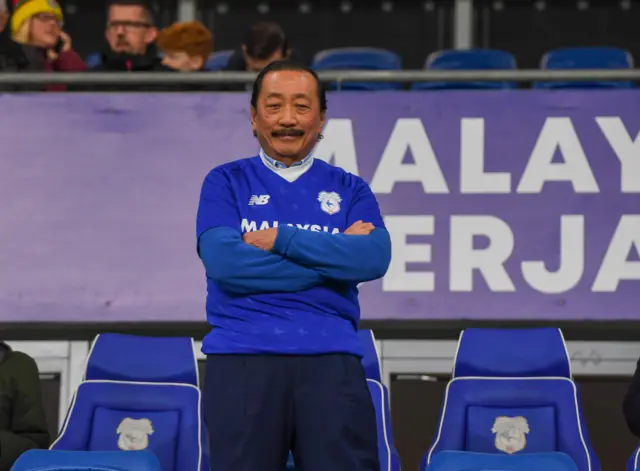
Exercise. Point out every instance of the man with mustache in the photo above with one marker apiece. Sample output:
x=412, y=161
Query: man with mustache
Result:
x=285, y=240
x=130, y=34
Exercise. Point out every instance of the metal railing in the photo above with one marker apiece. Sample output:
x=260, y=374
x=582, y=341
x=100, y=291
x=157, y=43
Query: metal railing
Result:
x=339, y=76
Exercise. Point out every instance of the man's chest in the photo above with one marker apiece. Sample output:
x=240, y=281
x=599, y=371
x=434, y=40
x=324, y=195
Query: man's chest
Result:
x=311, y=207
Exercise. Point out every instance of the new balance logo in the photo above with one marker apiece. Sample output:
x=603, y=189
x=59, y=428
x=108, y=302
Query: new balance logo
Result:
x=259, y=200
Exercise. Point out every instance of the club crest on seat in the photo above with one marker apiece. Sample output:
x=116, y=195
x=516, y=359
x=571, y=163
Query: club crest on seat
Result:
x=511, y=433
x=133, y=434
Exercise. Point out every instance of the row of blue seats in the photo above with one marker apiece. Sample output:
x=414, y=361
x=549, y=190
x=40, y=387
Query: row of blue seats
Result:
x=511, y=405
x=475, y=59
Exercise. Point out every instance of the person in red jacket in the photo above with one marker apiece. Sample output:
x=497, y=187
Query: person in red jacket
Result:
x=37, y=26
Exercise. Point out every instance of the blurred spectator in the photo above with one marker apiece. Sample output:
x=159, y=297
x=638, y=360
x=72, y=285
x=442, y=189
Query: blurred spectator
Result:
x=185, y=46
x=264, y=43
x=36, y=25
x=130, y=33
x=23, y=425
x=4, y=15
x=12, y=58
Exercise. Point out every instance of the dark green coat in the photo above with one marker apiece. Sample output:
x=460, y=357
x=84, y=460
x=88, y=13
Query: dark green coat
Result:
x=23, y=424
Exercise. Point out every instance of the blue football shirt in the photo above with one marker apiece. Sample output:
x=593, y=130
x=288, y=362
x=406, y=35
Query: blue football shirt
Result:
x=259, y=193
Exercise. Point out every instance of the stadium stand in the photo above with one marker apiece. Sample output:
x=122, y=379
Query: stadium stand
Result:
x=511, y=390
x=139, y=392
x=531, y=390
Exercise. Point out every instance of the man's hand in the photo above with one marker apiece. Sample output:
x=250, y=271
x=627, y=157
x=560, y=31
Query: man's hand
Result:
x=360, y=228
x=262, y=239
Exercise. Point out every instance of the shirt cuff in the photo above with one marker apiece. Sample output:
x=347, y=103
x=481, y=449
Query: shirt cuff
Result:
x=283, y=239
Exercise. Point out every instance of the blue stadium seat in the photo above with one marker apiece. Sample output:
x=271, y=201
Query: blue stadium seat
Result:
x=371, y=359
x=511, y=401
x=93, y=60
x=586, y=58
x=473, y=59
x=139, y=393
x=45, y=460
x=218, y=60
x=633, y=464
x=359, y=58
x=389, y=459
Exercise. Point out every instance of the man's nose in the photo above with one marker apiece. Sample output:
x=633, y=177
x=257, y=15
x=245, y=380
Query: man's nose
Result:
x=288, y=116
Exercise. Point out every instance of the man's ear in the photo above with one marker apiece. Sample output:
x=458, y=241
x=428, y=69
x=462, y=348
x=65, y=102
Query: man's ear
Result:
x=151, y=35
x=323, y=116
x=254, y=116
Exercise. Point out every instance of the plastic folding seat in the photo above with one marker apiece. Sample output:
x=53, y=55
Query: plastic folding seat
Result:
x=387, y=453
x=139, y=393
x=218, y=60
x=586, y=58
x=633, y=464
x=359, y=58
x=93, y=60
x=371, y=359
x=472, y=59
x=46, y=460
x=511, y=405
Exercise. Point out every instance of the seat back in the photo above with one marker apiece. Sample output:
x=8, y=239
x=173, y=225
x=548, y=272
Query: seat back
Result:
x=633, y=463
x=370, y=359
x=473, y=59
x=218, y=60
x=46, y=460
x=511, y=391
x=359, y=58
x=139, y=393
x=388, y=455
x=586, y=58
x=93, y=60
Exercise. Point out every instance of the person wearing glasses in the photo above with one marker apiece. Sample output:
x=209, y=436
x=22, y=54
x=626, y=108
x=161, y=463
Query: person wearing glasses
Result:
x=130, y=34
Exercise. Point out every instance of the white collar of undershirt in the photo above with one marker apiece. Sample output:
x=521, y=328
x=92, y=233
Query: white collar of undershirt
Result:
x=292, y=173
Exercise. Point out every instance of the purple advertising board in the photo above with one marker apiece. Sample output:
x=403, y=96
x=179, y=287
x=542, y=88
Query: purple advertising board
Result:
x=501, y=205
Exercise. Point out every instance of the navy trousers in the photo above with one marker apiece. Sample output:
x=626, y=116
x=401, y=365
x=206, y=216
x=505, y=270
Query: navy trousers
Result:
x=258, y=407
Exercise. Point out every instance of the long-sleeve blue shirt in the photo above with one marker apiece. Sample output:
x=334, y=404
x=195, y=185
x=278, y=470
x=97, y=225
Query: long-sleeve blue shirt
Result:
x=301, y=297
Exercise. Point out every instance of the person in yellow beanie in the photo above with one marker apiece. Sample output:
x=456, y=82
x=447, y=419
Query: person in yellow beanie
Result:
x=36, y=21
x=37, y=26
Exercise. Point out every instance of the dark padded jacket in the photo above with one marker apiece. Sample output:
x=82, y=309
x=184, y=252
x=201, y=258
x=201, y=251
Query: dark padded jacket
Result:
x=23, y=425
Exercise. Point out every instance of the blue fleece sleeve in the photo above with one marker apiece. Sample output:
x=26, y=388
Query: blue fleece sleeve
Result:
x=236, y=266
x=342, y=257
x=242, y=269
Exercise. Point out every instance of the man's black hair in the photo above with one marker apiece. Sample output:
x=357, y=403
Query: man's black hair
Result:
x=145, y=4
x=264, y=39
x=287, y=65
